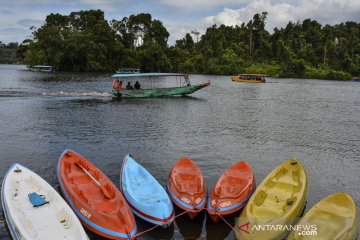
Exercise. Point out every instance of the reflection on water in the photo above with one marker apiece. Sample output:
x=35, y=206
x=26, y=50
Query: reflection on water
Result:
x=318, y=121
x=188, y=229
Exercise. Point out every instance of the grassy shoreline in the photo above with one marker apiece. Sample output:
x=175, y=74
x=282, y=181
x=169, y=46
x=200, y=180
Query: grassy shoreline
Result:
x=306, y=72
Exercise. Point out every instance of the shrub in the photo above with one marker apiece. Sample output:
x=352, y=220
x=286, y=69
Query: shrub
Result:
x=293, y=69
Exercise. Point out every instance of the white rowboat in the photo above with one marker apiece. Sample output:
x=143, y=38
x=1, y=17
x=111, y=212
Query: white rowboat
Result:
x=51, y=219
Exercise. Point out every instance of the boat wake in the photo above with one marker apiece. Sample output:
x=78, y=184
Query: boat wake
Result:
x=79, y=94
x=7, y=93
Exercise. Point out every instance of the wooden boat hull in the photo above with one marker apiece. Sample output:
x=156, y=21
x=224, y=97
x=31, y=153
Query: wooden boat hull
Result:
x=334, y=217
x=101, y=208
x=146, y=197
x=237, y=79
x=232, y=190
x=186, y=187
x=55, y=218
x=278, y=201
x=160, y=92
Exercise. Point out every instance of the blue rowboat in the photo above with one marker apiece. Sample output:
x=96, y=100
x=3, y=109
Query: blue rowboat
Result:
x=145, y=196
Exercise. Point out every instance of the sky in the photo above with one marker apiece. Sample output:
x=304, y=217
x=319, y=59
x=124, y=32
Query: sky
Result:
x=178, y=16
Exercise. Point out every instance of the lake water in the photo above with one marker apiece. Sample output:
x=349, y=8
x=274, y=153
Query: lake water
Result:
x=318, y=121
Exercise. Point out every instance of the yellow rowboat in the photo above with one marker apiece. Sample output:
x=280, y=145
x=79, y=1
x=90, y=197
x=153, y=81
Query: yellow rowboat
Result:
x=250, y=78
x=276, y=204
x=334, y=217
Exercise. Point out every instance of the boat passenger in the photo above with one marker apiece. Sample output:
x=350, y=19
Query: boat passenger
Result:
x=120, y=87
x=129, y=87
x=186, y=77
x=117, y=85
x=137, y=85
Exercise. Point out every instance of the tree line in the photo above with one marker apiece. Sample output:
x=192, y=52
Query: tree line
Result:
x=8, y=52
x=86, y=41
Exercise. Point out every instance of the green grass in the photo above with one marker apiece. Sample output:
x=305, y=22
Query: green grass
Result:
x=325, y=73
x=275, y=70
x=262, y=68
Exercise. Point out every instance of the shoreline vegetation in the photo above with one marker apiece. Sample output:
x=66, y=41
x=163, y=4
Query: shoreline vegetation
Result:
x=86, y=41
x=8, y=53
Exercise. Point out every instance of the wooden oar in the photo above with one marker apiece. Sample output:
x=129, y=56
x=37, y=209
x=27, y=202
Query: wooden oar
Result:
x=104, y=190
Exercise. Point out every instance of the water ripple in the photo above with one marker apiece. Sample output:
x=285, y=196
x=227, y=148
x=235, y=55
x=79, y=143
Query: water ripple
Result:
x=263, y=124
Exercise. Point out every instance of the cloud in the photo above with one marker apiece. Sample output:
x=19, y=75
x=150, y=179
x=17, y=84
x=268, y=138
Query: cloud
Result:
x=74, y=5
x=199, y=5
x=181, y=16
x=177, y=32
x=106, y=5
x=13, y=34
x=30, y=22
x=11, y=30
x=229, y=17
x=4, y=11
x=280, y=13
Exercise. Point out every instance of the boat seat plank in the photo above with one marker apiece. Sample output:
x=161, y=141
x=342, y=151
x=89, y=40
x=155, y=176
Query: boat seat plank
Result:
x=188, y=183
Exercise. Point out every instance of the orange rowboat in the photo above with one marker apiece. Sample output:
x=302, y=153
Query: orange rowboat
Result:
x=96, y=201
x=232, y=190
x=186, y=186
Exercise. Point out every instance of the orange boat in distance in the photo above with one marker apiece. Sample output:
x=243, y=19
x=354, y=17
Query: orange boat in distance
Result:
x=186, y=186
x=250, y=78
x=96, y=201
x=232, y=190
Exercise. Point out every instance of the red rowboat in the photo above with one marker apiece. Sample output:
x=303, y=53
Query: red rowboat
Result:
x=232, y=190
x=97, y=202
x=187, y=187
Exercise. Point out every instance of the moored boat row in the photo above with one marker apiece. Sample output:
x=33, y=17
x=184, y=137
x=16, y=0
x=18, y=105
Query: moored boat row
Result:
x=94, y=201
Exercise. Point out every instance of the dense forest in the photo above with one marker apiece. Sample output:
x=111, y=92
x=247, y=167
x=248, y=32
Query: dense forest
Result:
x=86, y=41
x=8, y=53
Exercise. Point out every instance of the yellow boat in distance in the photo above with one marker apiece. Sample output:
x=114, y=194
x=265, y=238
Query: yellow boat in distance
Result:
x=276, y=204
x=334, y=217
x=251, y=78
